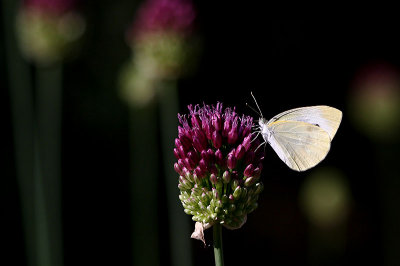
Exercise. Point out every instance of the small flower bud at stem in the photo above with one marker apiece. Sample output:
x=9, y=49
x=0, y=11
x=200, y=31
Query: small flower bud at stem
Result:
x=237, y=192
x=213, y=179
x=226, y=177
x=249, y=181
x=259, y=188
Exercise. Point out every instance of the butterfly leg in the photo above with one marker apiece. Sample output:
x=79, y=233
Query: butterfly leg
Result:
x=260, y=146
x=258, y=133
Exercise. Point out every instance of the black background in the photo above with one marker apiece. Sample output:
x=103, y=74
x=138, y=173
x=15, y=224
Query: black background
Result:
x=285, y=63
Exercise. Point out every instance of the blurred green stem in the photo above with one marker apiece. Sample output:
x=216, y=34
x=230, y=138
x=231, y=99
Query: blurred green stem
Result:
x=144, y=162
x=21, y=102
x=217, y=239
x=37, y=149
x=179, y=231
x=387, y=158
x=48, y=161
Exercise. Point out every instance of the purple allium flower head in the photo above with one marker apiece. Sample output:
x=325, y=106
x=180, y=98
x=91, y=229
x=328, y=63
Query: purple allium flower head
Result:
x=164, y=15
x=218, y=165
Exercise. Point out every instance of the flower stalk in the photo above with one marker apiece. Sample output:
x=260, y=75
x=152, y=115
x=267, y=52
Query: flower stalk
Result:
x=218, y=249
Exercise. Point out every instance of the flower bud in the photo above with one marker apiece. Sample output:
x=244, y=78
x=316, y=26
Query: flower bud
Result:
x=247, y=142
x=210, y=156
x=249, y=170
x=240, y=151
x=232, y=135
x=181, y=152
x=237, y=192
x=181, y=164
x=231, y=162
x=234, y=184
x=216, y=139
x=215, y=193
x=231, y=197
x=197, y=144
x=177, y=168
x=226, y=177
x=216, y=122
x=184, y=132
x=213, y=179
x=249, y=181
x=193, y=157
x=207, y=128
x=186, y=142
x=177, y=143
x=203, y=155
x=199, y=172
x=259, y=188
x=257, y=172
x=219, y=159
x=196, y=122
x=203, y=165
x=227, y=127
x=176, y=153
x=245, y=130
x=187, y=164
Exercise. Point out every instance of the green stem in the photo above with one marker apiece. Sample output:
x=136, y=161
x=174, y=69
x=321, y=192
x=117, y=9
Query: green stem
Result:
x=218, y=250
x=48, y=164
x=21, y=102
x=181, y=253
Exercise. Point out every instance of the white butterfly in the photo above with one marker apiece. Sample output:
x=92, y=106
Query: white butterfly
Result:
x=301, y=137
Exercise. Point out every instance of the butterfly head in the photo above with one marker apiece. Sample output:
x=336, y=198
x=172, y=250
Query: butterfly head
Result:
x=262, y=122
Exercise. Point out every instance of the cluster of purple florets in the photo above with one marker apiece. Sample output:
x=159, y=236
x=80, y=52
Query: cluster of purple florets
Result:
x=218, y=164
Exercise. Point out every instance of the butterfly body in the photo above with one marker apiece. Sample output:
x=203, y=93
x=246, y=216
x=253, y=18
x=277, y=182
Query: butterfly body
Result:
x=266, y=134
x=301, y=137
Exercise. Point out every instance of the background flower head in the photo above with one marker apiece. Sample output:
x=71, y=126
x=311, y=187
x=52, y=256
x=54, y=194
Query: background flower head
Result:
x=47, y=30
x=163, y=45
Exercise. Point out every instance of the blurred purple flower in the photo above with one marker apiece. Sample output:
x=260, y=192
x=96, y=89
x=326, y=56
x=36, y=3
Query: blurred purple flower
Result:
x=163, y=16
x=48, y=30
x=51, y=6
x=164, y=48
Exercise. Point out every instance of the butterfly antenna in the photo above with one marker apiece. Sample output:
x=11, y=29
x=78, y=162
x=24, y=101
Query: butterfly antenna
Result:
x=253, y=109
x=256, y=103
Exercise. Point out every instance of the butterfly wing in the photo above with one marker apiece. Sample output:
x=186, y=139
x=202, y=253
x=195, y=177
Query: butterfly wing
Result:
x=299, y=144
x=325, y=117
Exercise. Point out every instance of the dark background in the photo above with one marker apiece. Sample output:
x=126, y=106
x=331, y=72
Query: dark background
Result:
x=285, y=63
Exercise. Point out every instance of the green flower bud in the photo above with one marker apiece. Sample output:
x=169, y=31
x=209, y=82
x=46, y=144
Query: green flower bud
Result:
x=259, y=188
x=226, y=177
x=237, y=192
x=249, y=181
